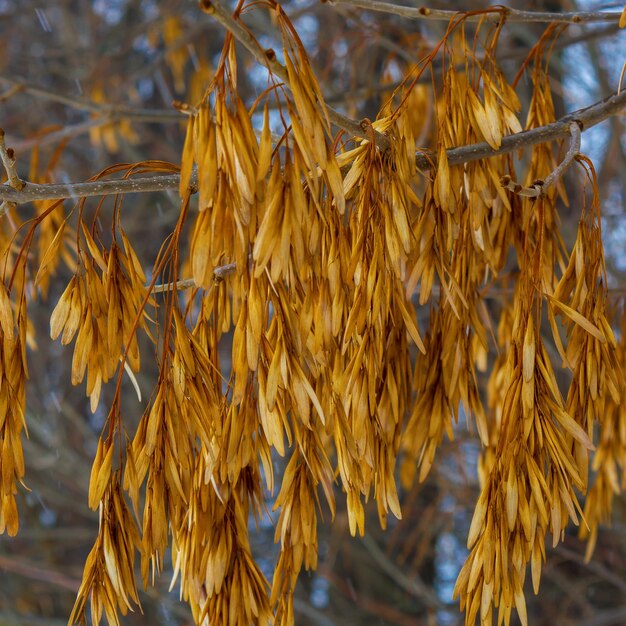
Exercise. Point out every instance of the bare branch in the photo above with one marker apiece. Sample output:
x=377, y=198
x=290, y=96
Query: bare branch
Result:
x=68, y=132
x=608, y=617
x=113, y=111
x=425, y=159
x=32, y=191
x=510, y=15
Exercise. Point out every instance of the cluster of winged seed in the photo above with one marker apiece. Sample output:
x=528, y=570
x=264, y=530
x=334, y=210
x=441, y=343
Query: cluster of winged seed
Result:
x=317, y=258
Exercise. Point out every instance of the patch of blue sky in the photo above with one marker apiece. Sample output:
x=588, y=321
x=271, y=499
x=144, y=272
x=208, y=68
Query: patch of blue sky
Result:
x=614, y=239
x=141, y=43
x=150, y=9
x=450, y=554
x=581, y=88
x=394, y=71
x=308, y=29
x=581, y=85
x=258, y=75
x=320, y=592
x=111, y=11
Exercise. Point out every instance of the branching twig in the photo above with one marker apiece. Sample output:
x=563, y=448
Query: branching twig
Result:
x=217, y=10
x=539, y=186
x=511, y=15
x=425, y=159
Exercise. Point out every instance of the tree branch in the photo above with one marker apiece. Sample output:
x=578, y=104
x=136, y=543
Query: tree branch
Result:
x=587, y=117
x=67, y=132
x=216, y=9
x=31, y=191
x=510, y=15
x=425, y=159
x=113, y=111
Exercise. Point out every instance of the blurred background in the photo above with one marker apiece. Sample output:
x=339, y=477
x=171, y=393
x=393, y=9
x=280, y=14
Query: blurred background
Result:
x=88, y=83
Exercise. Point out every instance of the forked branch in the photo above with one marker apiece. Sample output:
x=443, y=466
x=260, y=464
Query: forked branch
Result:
x=539, y=187
x=218, y=10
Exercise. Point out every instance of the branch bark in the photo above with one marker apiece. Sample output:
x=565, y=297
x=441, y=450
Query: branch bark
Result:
x=31, y=191
x=425, y=159
x=510, y=15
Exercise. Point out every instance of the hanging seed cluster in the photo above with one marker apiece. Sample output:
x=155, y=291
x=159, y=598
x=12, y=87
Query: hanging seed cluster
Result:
x=312, y=255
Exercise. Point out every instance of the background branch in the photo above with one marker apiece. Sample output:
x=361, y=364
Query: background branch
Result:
x=113, y=112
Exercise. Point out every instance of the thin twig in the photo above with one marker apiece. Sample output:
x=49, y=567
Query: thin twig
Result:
x=425, y=159
x=608, y=617
x=593, y=566
x=68, y=132
x=222, y=271
x=539, y=187
x=75, y=130
x=35, y=571
x=219, y=11
x=413, y=584
x=82, y=104
x=572, y=151
x=511, y=15
x=438, y=65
